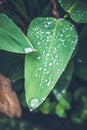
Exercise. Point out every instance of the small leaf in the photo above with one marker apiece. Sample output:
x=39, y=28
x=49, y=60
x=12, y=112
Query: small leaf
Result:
x=12, y=38
x=76, y=8
x=55, y=41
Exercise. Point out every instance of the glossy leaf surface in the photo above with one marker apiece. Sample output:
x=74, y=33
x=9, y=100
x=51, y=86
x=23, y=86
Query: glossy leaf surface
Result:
x=76, y=8
x=12, y=38
x=55, y=41
x=64, y=81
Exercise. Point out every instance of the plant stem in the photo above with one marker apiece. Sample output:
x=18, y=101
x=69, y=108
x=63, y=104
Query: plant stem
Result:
x=1, y=2
x=54, y=10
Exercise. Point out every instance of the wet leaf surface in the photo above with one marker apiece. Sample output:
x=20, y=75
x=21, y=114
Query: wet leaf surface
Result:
x=76, y=8
x=55, y=41
x=64, y=81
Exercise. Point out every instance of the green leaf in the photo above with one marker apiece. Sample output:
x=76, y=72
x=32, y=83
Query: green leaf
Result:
x=64, y=81
x=12, y=38
x=12, y=65
x=81, y=56
x=55, y=41
x=76, y=8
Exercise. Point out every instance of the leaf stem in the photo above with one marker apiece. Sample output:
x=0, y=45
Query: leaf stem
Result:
x=1, y=3
x=65, y=16
x=54, y=10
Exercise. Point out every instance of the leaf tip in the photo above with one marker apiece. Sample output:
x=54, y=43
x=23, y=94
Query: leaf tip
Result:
x=33, y=104
x=29, y=49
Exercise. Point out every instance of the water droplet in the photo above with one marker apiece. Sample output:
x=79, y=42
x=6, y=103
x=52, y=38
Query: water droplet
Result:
x=48, y=38
x=38, y=43
x=59, y=96
x=54, y=52
x=47, y=32
x=45, y=65
x=46, y=81
x=47, y=72
x=49, y=23
x=40, y=69
x=43, y=98
x=53, y=82
x=45, y=69
x=34, y=103
x=56, y=57
x=48, y=84
x=46, y=26
x=37, y=32
x=28, y=49
x=63, y=91
x=79, y=60
x=36, y=75
x=38, y=57
x=48, y=54
x=55, y=49
x=35, y=29
x=55, y=91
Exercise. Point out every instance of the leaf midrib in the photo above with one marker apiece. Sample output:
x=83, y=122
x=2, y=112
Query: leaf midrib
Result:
x=40, y=88
x=72, y=7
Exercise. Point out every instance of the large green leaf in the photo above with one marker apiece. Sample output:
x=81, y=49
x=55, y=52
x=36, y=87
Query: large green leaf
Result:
x=12, y=38
x=55, y=41
x=76, y=8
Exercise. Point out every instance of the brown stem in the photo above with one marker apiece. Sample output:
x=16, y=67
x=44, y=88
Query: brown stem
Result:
x=1, y=2
x=54, y=10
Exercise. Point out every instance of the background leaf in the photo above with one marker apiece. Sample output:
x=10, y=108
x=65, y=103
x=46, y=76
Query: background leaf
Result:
x=76, y=8
x=12, y=65
x=12, y=38
x=54, y=40
x=81, y=55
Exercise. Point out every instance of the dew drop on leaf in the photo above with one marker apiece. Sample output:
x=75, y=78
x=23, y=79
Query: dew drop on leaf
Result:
x=79, y=60
x=63, y=91
x=54, y=50
x=40, y=68
x=28, y=49
x=34, y=103
x=43, y=98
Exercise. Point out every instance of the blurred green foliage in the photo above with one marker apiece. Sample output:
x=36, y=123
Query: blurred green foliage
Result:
x=15, y=124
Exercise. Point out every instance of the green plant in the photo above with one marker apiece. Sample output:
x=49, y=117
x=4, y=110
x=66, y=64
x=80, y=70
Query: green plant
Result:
x=47, y=49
